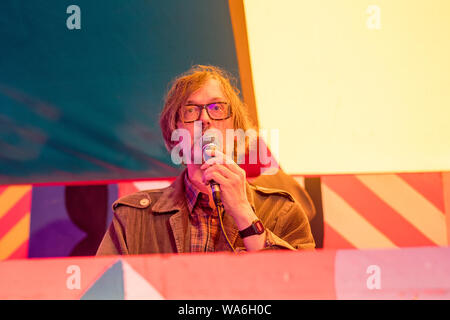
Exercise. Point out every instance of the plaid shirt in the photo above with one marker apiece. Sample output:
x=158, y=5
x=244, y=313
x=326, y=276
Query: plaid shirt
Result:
x=205, y=228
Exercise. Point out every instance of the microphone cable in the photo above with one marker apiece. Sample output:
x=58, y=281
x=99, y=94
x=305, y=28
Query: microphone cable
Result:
x=210, y=138
x=221, y=212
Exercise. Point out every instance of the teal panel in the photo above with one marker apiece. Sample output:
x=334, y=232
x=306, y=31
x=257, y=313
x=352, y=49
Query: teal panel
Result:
x=110, y=285
x=79, y=105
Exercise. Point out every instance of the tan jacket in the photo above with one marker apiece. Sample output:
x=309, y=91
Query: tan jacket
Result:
x=156, y=221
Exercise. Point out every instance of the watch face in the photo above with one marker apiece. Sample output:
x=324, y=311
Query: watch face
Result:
x=259, y=227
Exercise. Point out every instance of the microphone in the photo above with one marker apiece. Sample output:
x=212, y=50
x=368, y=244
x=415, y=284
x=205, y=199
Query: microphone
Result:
x=209, y=143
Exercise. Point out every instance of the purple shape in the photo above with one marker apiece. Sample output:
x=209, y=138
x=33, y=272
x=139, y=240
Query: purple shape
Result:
x=52, y=232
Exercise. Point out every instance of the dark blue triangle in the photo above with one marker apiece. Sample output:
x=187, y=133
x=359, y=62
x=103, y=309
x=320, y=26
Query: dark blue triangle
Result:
x=109, y=286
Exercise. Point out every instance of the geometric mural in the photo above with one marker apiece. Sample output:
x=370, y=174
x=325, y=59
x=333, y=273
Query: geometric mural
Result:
x=48, y=139
x=109, y=286
x=358, y=211
x=69, y=220
x=409, y=273
x=121, y=282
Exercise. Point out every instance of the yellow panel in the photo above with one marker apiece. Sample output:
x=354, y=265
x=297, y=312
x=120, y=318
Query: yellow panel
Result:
x=350, y=93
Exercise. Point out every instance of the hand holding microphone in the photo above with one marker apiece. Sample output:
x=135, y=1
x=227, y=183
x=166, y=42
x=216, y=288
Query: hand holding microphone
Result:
x=227, y=181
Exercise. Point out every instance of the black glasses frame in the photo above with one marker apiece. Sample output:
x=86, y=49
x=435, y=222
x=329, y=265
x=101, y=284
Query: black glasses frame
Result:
x=204, y=106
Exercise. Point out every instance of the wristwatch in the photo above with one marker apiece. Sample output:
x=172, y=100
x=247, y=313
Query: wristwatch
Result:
x=255, y=228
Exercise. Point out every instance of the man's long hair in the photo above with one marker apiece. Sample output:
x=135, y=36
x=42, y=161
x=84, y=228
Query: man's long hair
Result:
x=190, y=81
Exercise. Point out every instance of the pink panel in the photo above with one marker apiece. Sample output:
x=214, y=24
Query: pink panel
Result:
x=261, y=275
x=413, y=273
x=50, y=278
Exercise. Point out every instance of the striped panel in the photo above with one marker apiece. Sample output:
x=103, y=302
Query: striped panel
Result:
x=335, y=240
x=428, y=184
x=409, y=204
x=10, y=196
x=350, y=224
x=379, y=214
x=446, y=187
x=15, y=207
x=384, y=210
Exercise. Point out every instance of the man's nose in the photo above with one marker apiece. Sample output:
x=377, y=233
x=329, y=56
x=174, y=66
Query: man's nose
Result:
x=204, y=117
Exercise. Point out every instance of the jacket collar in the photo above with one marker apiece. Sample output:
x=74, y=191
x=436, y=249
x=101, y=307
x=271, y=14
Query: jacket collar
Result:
x=172, y=197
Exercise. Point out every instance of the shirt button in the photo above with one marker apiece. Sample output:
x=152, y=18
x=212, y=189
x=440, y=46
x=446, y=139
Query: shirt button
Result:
x=144, y=202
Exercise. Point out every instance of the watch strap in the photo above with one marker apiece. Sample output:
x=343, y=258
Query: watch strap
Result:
x=255, y=228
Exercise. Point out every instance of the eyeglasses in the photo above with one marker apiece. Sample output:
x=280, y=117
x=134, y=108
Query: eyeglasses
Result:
x=216, y=111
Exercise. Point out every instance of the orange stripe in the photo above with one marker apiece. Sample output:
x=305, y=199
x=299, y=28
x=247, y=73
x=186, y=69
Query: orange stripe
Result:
x=333, y=239
x=2, y=189
x=350, y=224
x=10, y=196
x=15, y=237
x=376, y=211
x=21, y=252
x=237, y=14
x=410, y=204
x=428, y=184
x=15, y=214
x=446, y=187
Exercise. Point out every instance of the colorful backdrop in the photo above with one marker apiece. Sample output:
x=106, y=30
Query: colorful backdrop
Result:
x=358, y=94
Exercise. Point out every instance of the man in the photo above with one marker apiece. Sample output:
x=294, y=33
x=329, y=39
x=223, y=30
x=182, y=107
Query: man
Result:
x=183, y=216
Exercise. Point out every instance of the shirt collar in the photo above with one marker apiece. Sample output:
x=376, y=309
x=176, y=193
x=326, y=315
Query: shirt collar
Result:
x=192, y=192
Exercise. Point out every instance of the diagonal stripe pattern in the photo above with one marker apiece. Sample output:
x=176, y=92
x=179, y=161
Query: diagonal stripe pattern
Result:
x=350, y=224
x=10, y=196
x=410, y=204
x=15, y=208
x=16, y=236
x=383, y=210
